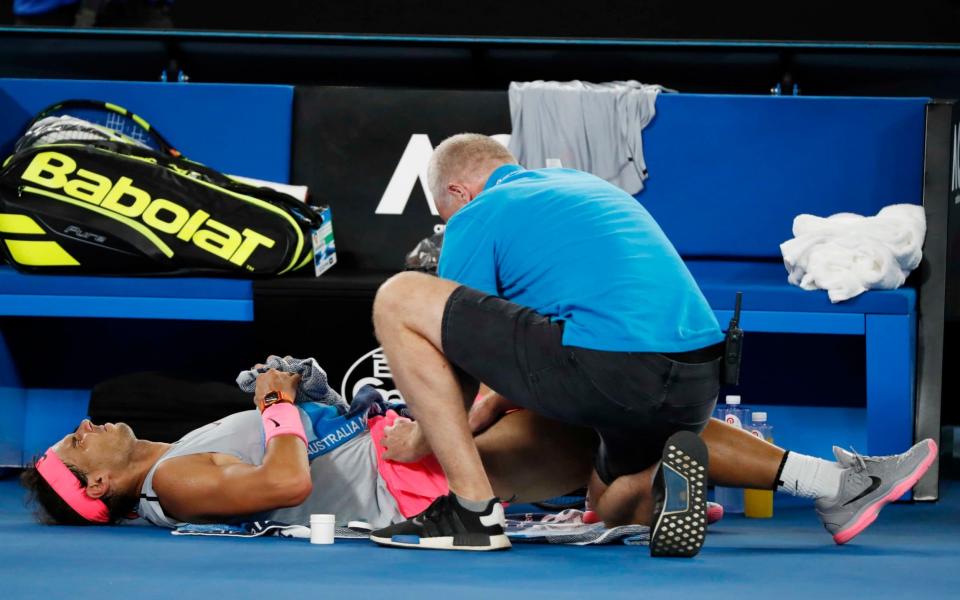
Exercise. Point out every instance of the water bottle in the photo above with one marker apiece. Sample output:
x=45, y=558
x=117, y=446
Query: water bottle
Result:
x=758, y=504
x=731, y=412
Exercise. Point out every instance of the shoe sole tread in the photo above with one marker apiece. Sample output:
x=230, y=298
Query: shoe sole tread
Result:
x=683, y=533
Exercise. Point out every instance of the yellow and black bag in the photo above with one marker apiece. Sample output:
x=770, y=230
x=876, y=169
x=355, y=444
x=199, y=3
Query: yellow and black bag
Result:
x=81, y=197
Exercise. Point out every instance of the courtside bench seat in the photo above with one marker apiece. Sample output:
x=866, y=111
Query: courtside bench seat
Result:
x=766, y=289
x=204, y=299
x=887, y=319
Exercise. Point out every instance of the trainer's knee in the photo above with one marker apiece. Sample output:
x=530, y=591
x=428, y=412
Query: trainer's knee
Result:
x=394, y=297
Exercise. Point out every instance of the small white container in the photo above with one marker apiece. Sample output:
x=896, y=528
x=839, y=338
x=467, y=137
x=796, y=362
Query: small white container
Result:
x=321, y=529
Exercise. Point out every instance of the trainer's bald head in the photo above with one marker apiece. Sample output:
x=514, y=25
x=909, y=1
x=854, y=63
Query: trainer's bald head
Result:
x=460, y=167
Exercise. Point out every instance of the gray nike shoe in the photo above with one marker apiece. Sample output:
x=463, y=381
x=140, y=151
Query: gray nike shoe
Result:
x=869, y=483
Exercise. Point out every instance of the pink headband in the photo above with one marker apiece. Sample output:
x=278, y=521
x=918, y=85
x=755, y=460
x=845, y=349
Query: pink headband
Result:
x=67, y=486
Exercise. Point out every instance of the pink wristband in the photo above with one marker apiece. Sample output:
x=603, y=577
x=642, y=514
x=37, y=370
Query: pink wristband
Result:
x=282, y=418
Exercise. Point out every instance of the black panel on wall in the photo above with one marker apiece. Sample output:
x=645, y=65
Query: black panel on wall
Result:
x=479, y=64
x=921, y=20
x=349, y=142
x=328, y=319
x=80, y=353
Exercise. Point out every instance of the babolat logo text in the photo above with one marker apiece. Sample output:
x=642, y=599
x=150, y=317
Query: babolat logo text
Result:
x=57, y=171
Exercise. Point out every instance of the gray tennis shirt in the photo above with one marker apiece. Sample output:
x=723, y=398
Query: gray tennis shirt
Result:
x=591, y=127
x=346, y=481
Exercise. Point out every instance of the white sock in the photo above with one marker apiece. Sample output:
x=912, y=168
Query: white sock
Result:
x=473, y=505
x=809, y=477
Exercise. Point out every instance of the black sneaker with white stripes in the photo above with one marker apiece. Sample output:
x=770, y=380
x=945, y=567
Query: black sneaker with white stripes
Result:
x=447, y=525
x=679, y=524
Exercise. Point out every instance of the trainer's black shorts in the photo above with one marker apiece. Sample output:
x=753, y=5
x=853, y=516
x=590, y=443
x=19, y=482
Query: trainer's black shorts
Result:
x=634, y=400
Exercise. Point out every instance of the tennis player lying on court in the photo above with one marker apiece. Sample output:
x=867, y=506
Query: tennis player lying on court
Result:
x=224, y=472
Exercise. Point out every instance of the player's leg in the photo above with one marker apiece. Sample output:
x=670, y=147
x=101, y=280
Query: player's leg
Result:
x=529, y=458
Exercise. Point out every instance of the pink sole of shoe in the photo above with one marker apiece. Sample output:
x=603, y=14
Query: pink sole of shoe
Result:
x=870, y=514
x=714, y=512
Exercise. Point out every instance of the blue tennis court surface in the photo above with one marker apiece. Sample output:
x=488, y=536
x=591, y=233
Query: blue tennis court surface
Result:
x=911, y=551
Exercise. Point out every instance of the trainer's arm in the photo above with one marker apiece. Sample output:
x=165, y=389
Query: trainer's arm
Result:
x=404, y=441
x=210, y=486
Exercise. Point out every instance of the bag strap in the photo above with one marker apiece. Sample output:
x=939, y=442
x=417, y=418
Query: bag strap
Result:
x=161, y=141
x=306, y=214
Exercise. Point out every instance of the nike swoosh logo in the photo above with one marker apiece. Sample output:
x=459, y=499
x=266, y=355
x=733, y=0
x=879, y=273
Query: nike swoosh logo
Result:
x=275, y=423
x=874, y=484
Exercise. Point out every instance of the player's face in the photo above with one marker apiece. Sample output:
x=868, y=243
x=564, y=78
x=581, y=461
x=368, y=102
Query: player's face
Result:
x=91, y=447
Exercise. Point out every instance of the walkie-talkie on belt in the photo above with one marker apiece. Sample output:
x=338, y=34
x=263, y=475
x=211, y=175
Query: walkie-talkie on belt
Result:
x=733, y=347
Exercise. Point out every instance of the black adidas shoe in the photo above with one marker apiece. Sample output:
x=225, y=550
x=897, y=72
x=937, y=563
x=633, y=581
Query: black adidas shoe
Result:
x=446, y=525
x=680, y=497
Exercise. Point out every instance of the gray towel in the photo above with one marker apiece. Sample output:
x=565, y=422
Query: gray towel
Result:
x=313, y=380
x=593, y=127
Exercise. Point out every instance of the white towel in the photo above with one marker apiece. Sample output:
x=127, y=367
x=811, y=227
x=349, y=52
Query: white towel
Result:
x=848, y=254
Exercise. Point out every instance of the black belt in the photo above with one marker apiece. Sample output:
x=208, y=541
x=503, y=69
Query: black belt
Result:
x=702, y=355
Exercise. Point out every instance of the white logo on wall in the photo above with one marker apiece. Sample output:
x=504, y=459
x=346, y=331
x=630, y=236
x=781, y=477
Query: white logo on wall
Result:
x=371, y=369
x=412, y=168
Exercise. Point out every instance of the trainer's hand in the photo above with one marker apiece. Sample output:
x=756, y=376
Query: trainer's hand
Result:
x=486, y=411
x=404, y=441
x=274, y=380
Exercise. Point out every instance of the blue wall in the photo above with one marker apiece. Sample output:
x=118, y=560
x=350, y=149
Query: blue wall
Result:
x=729, y=173
x=237, y=129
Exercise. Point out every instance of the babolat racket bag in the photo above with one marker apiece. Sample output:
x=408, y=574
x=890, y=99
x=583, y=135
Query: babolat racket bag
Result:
x=93, y=188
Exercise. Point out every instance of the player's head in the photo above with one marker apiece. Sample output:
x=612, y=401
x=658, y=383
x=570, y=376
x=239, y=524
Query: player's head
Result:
x=81, y=479
x=460, y=167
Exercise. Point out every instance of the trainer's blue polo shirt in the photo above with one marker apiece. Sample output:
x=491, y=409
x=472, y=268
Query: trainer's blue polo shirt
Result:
x=575, y=248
